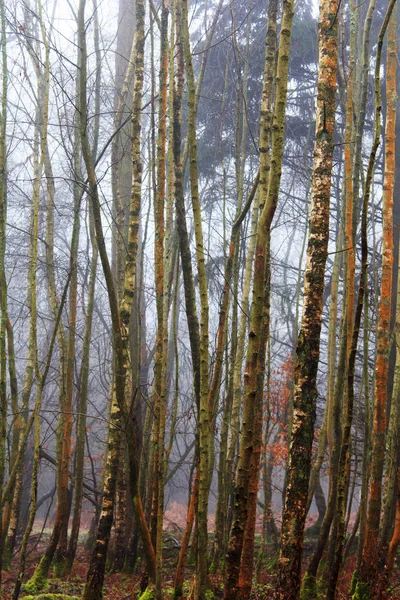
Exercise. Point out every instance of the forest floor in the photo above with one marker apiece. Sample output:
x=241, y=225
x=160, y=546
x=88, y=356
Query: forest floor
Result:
x=122, y=586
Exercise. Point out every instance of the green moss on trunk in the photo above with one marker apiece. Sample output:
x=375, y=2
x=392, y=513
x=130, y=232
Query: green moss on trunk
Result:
x=353, y=584
x=37, y=583
x=362, y=591
x=59, y=569
x=308, y=587
x=148, y=594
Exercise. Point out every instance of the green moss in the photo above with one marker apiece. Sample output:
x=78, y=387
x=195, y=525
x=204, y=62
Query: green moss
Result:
x=59, y=569
x=37, y=583
x=314, y=530
x=362, y=591
x=7, y=555
x=39, y=580
x=148, y=594
x=308, y=587
x=213, y=568
x=184, y=590
x=50, y=597
x=353, y=583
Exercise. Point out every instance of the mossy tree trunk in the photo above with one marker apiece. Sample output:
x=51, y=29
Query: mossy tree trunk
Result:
x=307, y=349
x=271, y=133
x=120, y=315
x=204, y=424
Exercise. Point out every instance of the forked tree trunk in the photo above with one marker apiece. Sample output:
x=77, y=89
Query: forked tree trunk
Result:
x=271, y=131
x=120, y=313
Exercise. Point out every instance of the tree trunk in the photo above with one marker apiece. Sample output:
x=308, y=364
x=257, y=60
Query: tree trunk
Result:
x=371, y=556
x=270, y=173
x=307, y=350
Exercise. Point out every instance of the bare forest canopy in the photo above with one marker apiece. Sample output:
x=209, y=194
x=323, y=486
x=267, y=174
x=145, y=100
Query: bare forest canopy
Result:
x=199, y=299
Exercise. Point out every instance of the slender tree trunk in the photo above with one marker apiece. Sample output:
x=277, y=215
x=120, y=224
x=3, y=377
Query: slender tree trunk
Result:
x=62, y=513
x=247, y=558
x=352, y=330
x=188, y=282
x=35, y=583
x=82, y=412
x=3, y=280
x=204, y=408
x=393, y=443
x=371, y=552
x=237, y=374
x=162, y=303
x=85, y=361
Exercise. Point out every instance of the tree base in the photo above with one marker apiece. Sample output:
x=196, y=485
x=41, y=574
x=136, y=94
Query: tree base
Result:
x=37, y=583
x=148, y=594
x=309, y=587
x=7, y=557
x=361, y=591
x=50, y=597
x=353, y=584
x=59, y=569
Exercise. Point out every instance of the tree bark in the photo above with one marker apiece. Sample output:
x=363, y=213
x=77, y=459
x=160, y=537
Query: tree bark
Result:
x=371, y=556
x=307, y=349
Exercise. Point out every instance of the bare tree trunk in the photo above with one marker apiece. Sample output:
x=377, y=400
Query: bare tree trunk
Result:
x=3, y=280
